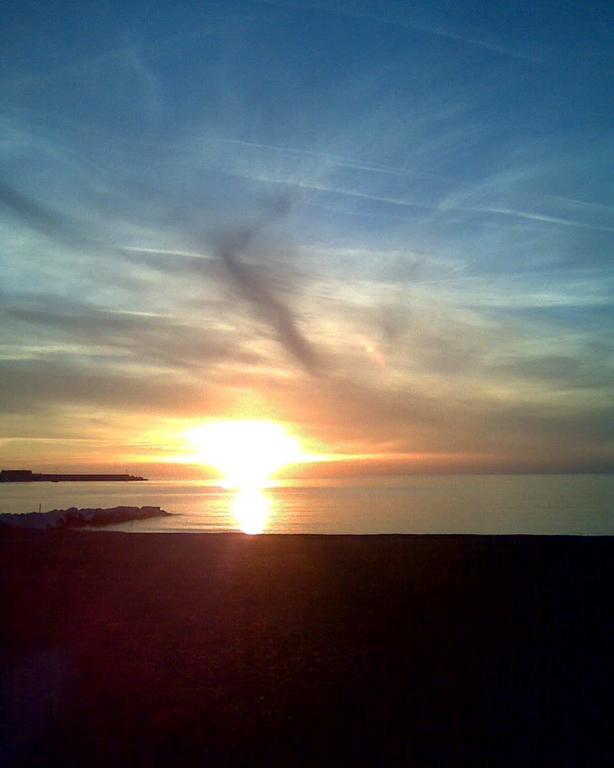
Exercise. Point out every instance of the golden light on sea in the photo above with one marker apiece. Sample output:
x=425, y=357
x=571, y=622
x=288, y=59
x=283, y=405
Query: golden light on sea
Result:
x=251, y=508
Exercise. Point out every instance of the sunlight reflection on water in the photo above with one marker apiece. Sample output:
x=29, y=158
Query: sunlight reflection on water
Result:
x=527, y=504
x=251, y=509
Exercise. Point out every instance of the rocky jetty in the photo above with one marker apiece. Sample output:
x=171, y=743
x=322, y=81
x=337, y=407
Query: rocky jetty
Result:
x=78, y=518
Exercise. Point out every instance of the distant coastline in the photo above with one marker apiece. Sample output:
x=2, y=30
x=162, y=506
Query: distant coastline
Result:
x=27, y=476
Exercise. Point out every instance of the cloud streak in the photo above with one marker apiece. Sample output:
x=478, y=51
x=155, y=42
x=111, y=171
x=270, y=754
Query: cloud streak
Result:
x=42, y=219
x=256, y=289
x=412, y=24
x=228, y=247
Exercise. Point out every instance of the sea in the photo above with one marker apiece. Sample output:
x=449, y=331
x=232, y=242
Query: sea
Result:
x=462, y=504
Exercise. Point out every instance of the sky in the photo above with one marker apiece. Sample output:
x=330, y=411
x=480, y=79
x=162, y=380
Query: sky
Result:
x=387, y=226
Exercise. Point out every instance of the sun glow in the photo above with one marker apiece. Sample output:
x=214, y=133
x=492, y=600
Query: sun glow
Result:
x=246, y=453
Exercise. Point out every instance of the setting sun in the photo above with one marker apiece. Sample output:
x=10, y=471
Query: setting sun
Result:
x=246, y=452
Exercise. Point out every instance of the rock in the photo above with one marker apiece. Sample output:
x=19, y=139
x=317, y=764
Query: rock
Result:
x=78, y=518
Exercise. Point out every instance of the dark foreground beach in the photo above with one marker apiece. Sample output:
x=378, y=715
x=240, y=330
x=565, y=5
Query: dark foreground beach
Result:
x=155, y=649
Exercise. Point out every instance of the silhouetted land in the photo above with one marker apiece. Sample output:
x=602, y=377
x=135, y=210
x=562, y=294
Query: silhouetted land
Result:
x=27, y=476
x=183, y=649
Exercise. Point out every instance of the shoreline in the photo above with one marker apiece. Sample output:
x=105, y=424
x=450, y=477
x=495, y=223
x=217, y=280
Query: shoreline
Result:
x=110, y=530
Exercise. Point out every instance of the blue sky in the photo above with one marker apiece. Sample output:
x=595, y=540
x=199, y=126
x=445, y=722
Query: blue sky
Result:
x=388, y=225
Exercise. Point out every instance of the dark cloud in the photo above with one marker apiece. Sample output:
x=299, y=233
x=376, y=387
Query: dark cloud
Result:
x=256, y=286
x=43, y=219
x=42, y=385
x=146, y=339
x=254, y=283
x=585, y=370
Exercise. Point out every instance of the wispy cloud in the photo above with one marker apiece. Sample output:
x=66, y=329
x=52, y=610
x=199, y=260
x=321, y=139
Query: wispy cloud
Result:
x=404, y=20
x=227, y=246
x=384, y=228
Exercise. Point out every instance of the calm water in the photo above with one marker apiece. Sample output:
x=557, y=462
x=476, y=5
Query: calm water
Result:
x=529, y=504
